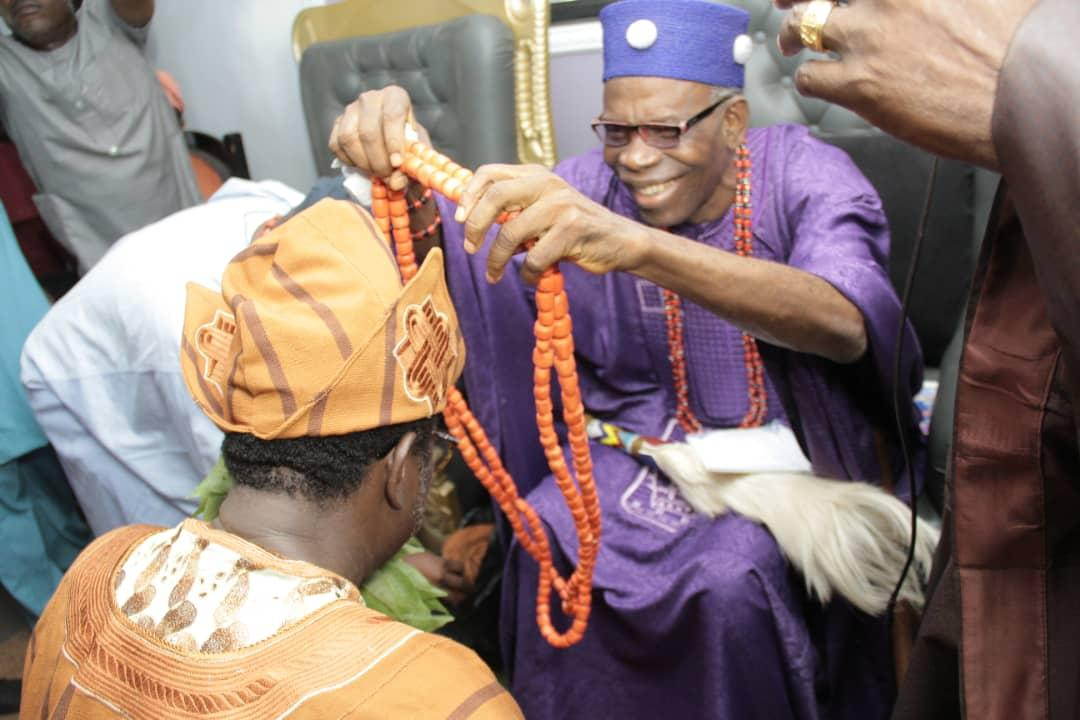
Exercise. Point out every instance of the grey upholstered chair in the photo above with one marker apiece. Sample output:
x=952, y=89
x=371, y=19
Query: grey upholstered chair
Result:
x=477, y=71
x=459, y=75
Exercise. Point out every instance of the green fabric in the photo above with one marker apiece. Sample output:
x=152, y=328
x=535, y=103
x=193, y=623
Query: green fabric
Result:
x=397, y=589
x=402, y=592
x=212, y=490
x=24, y=305
x=42, y=530
x=41, y=527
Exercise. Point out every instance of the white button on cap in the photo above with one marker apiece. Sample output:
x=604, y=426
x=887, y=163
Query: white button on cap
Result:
x=742, y=49
x=641, y=34
x=113, y=150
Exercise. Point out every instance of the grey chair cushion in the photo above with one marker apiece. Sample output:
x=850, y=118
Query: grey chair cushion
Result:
x=459, y=75
x=941, y=424
x=770, y=86
x=900, y=173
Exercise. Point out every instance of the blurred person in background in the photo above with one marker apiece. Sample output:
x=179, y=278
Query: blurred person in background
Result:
x=90, y=120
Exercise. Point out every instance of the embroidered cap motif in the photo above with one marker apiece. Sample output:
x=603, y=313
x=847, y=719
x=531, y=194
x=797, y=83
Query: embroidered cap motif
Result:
x=213, y=342
x=426, y=353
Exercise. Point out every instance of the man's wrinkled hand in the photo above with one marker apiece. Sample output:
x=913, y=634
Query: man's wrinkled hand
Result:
x=565, y=224
x=441, y=572
x=370, y=134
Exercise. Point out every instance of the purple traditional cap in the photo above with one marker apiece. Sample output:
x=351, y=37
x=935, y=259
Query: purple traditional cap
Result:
x=694, y=40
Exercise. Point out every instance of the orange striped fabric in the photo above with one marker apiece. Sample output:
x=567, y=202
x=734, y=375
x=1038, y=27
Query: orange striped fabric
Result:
x=88, y=660
x=314, y=333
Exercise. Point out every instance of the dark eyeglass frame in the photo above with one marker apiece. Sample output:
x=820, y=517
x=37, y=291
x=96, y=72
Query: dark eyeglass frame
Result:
x=447, y=438
x=655, y=135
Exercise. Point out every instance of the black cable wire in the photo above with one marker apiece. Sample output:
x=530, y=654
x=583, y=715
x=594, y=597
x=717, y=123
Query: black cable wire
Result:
x=901, y=425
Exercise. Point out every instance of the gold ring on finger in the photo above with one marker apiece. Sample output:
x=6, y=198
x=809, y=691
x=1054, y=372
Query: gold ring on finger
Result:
x=812, y=25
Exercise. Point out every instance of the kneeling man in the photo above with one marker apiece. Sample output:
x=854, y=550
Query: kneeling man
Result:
x=325, y=373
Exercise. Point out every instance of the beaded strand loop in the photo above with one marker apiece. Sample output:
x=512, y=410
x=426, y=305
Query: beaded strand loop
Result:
x=758, y=401
x=554, y=348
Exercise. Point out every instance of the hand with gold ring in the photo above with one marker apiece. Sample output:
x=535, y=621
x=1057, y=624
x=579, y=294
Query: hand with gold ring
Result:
x=812, y=24
x=924, y=71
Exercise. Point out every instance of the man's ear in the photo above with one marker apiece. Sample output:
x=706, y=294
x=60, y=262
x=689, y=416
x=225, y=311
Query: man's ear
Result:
x=736, y=120
x=397, y=475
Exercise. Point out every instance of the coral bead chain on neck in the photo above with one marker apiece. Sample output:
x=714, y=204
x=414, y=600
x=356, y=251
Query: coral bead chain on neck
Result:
x=554, y=348
x=757, y=399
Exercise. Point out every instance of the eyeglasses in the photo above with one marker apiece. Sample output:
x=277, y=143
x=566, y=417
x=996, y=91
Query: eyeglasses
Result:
x=443, y=448
x=446, y=438
x=658, y=135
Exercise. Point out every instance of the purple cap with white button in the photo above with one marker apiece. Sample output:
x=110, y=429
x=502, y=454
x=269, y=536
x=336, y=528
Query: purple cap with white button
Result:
x=694, y=40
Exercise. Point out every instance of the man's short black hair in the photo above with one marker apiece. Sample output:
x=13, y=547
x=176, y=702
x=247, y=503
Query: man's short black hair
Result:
x=320, y=469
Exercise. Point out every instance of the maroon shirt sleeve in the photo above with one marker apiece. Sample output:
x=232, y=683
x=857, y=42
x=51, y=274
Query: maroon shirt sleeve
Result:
x=1036, y=128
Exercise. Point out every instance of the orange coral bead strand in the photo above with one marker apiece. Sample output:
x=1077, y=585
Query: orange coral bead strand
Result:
x=391, y=212
x=757, y=396
x=554, y=349
x=450, y=179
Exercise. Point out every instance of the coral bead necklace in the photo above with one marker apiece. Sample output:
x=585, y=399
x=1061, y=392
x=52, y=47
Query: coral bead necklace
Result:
x=554, y=349
x=757, y=398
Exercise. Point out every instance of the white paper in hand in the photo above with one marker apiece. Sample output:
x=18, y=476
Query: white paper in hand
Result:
x=770, y=448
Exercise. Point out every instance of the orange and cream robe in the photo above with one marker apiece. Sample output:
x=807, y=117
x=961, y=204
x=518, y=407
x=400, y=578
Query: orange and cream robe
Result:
x=192, y=622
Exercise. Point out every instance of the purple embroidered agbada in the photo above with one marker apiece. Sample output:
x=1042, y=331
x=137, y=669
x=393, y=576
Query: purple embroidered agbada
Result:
x=692, y=617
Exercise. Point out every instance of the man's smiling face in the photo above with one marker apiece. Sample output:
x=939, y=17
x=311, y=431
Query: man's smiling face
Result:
x=670, y=185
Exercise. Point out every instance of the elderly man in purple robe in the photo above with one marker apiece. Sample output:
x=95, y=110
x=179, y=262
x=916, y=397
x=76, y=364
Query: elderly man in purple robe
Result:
x=719, y=277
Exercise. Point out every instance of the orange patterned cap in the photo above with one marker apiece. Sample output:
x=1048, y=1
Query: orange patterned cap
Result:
x=314, y=334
